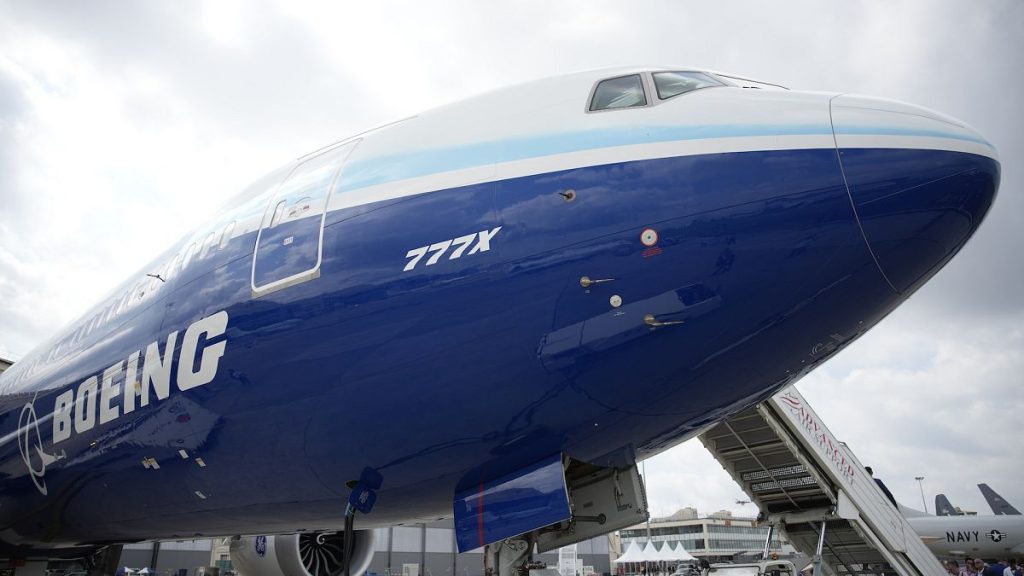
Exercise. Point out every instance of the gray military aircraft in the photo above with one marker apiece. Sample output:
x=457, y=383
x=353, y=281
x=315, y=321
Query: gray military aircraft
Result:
x=952, y=533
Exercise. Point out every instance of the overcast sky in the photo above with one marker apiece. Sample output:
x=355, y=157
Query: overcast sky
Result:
x=123, y=124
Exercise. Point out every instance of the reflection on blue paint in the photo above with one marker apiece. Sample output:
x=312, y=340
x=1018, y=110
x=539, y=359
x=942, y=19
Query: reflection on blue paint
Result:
x=511, y=505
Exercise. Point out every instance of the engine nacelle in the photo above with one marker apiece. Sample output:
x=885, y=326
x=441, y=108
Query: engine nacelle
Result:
x=304, y=554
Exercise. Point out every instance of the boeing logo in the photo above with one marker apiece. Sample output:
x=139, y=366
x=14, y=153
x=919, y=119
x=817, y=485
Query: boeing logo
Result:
x=30, y=443
x=77, y=410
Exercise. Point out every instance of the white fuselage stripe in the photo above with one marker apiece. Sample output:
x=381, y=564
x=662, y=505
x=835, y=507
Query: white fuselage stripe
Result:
x=635, y=152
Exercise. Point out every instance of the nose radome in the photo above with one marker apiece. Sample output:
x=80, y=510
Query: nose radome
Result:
x=920, y=182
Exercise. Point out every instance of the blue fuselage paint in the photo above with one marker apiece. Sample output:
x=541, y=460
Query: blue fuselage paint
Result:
x=443, y=376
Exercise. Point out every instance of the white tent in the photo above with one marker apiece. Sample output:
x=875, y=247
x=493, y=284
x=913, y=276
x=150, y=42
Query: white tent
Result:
x=681, y=554
x=632, y=554
x=667, y=553
x=650, y=553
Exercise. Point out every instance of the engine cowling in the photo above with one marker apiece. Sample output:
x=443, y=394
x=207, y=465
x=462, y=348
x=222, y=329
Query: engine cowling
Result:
x=303, y=554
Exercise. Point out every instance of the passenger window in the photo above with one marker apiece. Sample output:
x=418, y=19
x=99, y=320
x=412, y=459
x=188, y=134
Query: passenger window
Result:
x=671, y=84
x=623, y=92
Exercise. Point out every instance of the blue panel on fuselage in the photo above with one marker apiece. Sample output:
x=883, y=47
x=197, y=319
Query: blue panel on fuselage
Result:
x=750, y=233
x=918, y=207
x=525, y=500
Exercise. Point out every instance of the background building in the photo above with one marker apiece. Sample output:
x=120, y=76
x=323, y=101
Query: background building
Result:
x=169, y=558
x=432, y=547
x=429, y=549
x=423, y=549
x=719, y=537
x=5, y=364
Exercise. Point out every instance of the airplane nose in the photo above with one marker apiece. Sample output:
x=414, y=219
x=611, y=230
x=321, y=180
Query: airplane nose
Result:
x=920, y=183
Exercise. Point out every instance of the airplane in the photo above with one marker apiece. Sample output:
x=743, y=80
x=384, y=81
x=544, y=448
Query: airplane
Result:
x=998, y=504
x=490, y=311
x=989, y=537
x=952, y=533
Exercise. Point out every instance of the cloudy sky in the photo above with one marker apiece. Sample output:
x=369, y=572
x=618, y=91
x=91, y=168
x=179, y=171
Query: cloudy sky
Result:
x=123, y=124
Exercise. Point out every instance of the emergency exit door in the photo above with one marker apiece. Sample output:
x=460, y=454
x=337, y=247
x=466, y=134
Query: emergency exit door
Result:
x=289, y=244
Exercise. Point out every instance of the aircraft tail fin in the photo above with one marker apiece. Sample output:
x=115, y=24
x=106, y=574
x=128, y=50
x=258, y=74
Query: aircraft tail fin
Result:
x=996, y=502
x=943, y=507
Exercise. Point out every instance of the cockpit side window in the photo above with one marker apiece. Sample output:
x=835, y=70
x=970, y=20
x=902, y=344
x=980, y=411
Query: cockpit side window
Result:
x=671, y=84
x=621, y=92
x=748, y=83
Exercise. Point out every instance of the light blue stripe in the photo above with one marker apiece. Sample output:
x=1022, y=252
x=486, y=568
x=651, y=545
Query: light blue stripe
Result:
x=890, y=131
x=362, y=173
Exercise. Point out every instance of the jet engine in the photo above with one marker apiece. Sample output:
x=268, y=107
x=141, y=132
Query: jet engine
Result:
x=303, y=554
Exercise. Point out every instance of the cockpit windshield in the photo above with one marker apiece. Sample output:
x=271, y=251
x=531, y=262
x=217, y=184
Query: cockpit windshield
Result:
x=637, y=90
x=622, y=92
x=671, y=84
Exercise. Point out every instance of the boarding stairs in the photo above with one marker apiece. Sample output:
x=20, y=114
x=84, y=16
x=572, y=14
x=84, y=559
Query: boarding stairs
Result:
x=811, y=487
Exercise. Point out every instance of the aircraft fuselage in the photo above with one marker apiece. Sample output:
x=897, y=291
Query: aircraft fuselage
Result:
x=472, y=290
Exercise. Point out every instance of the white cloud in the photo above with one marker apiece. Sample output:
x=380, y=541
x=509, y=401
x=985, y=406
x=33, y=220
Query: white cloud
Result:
x=224, y=21
x=689, y=476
